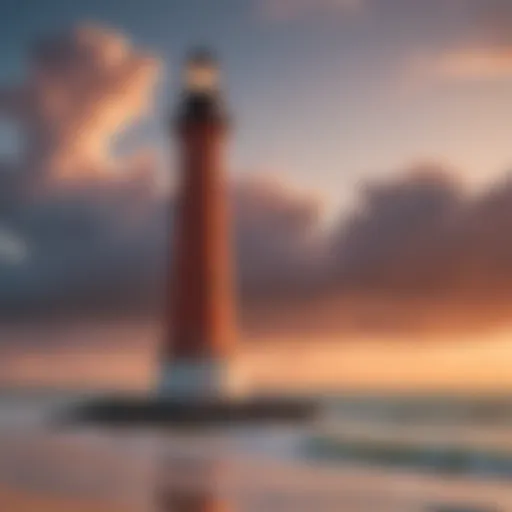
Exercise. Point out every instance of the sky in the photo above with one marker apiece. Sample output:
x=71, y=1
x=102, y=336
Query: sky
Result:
x=370, y=153
x=328, y=92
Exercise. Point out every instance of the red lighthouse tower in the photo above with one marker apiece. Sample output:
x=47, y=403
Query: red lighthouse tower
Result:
x=198, y=379
x=202, y=328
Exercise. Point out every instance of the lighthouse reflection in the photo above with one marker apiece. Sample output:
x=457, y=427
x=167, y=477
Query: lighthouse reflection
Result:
x=191, y=485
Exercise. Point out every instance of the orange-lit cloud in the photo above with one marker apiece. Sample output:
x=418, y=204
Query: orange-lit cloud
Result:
x=83, y=87
x=482, y=53
x=468, y=64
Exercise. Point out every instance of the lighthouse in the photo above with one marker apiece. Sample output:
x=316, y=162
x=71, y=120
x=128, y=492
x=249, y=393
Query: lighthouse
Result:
x=198, y=380
x=201, y=337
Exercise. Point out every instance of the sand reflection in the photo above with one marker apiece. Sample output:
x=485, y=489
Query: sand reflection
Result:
x=192, y=485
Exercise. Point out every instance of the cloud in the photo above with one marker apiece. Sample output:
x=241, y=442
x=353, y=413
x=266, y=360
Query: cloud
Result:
x=96, y=239
x=467, y=65
x=424, y=236
x=83, y=218
x=83, y=87
x=482, y=53
x=492, y=23
x=105, y=249
x=420, y=254
x=402, y=226
x=284, y=10
x=96, y=230
x=277, y=231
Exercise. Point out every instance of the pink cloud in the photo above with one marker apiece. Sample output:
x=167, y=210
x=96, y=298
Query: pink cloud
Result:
x=84, y=86
x=466, y=64
x=482, y=53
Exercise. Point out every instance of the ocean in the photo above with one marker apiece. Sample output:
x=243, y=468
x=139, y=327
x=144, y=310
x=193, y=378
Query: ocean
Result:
x=387, y=452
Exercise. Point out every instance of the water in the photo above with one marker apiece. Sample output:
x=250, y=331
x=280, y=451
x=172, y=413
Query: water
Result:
x=366, y=454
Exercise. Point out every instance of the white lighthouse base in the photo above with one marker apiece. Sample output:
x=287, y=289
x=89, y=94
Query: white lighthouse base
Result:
x=199, y=393
x=199, y=380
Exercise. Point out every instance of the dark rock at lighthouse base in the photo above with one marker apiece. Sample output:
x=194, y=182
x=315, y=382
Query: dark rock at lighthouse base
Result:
x=152, y=411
